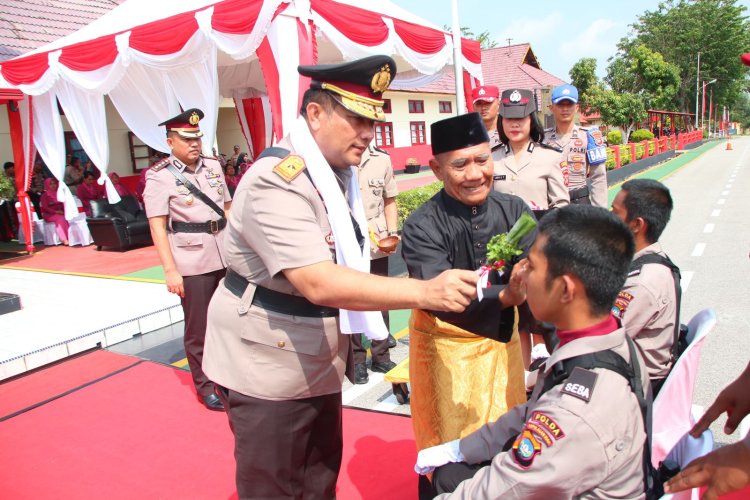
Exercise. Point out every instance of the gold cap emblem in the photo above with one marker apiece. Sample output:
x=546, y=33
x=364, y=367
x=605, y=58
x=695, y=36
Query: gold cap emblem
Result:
x=194, y=119
x=381, y=79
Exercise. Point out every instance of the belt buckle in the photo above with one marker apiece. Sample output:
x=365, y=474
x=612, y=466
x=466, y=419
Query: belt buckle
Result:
x=213, y=226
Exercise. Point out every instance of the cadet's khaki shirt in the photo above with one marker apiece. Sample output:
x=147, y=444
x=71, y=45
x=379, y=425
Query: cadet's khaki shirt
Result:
x=274, y=225
x=536, y=178
x=576, y=167
x=376, y=183
x=570, y=448
x=494, y=139
x=193, y=253
x=647, y=306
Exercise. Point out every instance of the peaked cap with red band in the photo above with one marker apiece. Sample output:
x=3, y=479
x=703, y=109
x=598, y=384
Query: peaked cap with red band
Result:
x=517, y=103
x=185, y=124
x=356, y=85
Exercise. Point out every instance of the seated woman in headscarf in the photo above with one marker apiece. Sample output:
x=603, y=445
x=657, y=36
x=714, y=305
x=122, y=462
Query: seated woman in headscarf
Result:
x=231, y=179
x=121, y=189
x=87, y=191
x=53, y=210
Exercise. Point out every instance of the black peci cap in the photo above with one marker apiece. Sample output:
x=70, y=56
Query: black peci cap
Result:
x=458, y=132
x=356, y=85
x=185, y=124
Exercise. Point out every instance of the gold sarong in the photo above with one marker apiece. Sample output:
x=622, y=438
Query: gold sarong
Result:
x=459, y=380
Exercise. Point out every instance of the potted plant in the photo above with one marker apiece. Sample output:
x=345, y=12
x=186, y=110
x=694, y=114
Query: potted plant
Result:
x=412, y=166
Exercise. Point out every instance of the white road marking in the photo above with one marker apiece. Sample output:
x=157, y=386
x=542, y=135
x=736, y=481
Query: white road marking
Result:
x=698, y=250
x=724, y=193
x=709, y=228
x=728, y=186
x=686, y=277
x=716, y=212
x=721, y=201
x=356, y=391
x=388, y=404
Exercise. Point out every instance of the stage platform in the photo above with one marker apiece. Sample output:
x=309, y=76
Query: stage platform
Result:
x=64, y=314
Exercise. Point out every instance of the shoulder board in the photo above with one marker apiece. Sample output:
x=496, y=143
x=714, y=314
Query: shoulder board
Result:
x=551, y=146
x=381, y=150
x=580, y=384
x=209, y=157
x=159, y=165
x=290, y=167
x=496, y=147
x=550, y=130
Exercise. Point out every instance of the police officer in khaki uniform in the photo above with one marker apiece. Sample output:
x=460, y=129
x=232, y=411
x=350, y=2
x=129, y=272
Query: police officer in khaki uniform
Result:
x=187, y=226
x=378, y=187
x=648, y=303
x=581, y=435
x=578, y=144
x=525, y=166
x=298, y=277
x=487, y=104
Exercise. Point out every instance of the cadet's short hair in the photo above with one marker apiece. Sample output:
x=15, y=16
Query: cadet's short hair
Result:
x=320, y=96
x=593, y=245
x=536, y=133
x=88, y=174
x=651, y=201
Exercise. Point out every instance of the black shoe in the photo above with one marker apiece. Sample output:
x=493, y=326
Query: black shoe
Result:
x=360, y=374
x=392, y=342
x=383, y=367
x=212, y=402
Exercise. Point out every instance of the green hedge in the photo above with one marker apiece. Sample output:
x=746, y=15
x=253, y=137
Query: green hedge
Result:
x=641, y=135
x=410, y=200
x=614, y=137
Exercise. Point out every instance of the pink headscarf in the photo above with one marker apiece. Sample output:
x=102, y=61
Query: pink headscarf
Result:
x=47, y=189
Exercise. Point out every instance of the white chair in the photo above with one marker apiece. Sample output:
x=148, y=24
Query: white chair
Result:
x=37, y=226
x=672, y=411
x=78, y=233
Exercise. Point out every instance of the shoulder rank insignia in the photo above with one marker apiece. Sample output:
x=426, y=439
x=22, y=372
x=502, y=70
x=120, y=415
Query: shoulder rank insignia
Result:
x=580, y=384
x=159, y=165
x=379, y=150
x=551, y=146
x=290, y=167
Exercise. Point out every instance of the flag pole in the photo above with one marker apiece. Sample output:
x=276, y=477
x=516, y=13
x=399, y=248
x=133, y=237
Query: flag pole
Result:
x=457, y=60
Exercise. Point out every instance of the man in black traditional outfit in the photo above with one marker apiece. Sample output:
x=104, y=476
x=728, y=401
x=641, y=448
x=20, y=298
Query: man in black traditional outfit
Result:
x=465, y=369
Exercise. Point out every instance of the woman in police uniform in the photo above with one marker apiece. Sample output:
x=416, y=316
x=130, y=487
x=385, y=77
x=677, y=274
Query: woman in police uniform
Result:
x=524, y=166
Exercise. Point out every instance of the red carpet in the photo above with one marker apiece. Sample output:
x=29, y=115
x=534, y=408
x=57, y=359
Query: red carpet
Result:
x=141, y=434
x=87, y=260
x=39, y=386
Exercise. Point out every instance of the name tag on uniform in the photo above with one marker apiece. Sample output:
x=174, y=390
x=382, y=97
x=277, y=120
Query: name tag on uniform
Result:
x=498, y=177
x=580, y=384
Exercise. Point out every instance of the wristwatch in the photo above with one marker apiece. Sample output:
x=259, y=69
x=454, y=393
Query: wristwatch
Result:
x=392, y=233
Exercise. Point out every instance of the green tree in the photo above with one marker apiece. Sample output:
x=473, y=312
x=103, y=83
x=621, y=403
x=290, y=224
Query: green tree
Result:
x=639, y=70
x=680, y=29
x=484, y=38
x=583, y=76
x=625, y=110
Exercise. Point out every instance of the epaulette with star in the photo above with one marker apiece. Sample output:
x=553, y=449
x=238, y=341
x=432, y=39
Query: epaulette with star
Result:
x=160, y=164
x=551, y=146
x=209, y=157
x=290, y=167
x=381, y=150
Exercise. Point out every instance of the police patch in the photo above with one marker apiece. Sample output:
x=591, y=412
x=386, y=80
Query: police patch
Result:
x=565, y=172
x=580, y=384
x=548, y=424
x=525, y=448
x=621, y=304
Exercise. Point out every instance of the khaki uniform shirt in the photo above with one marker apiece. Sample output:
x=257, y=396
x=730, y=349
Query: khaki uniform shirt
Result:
x=376, y=183
x=494, y=139
x=575, y=164
x=567, y=447
x=536, y=178
x=194, y=253
x=275, y=224
x=647, y=306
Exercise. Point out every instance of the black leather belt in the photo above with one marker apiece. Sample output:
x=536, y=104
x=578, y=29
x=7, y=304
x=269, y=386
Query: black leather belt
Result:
x=282, y=303
x=579, y=193
x=210, y=227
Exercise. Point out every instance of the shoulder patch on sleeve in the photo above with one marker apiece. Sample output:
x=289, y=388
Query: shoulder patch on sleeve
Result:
x=552, y=147
x=580, y=384
x=290, y=167
x=525, y=448
x=621, y=304
x=159, y=165
x=545, y=422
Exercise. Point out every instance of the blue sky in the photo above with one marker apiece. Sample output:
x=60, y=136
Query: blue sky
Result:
x=560, y=33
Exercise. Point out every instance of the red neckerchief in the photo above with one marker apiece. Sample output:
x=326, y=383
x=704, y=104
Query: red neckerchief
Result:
x=607, y=326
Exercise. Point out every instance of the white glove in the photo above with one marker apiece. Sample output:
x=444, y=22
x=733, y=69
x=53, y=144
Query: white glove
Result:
x=430, y=458
x=539, y=351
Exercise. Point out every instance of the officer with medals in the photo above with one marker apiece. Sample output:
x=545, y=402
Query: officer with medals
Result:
x=298, y=279
x=187, y=202
x=487, y=103
x=525, y=166
x=584, y=151
x=582, y=432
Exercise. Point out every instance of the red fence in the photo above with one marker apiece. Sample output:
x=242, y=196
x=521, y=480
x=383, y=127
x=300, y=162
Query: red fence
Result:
x=617, y=156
